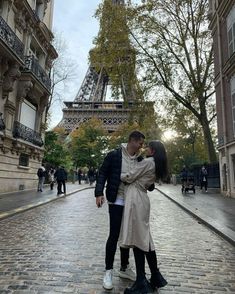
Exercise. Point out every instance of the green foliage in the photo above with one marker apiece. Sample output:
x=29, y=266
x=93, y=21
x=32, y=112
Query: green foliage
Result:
x=56, y=153
x=175, y=53
x=88, y=144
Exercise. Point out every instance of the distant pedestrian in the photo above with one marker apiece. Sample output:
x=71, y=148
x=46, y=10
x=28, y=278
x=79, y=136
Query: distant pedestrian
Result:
x=79, y=176
x=41, y=173
x=184, y=175
x=51, y=174
x=61, y=178
x=204, y=177
x=91, y=175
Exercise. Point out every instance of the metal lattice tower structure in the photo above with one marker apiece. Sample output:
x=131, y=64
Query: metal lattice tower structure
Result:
x=91, y=100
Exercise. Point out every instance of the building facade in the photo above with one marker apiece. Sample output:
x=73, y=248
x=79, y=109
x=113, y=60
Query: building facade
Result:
x=26, y=55
x=222, y=24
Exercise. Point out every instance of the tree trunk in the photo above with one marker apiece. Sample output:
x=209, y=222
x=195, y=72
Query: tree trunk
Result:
x=208, y=140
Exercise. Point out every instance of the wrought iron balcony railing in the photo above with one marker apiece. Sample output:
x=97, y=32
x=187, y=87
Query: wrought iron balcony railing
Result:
x=36, y=16
x=2, y=124
x=27, y=134
x=10, y=39
x=32, y=65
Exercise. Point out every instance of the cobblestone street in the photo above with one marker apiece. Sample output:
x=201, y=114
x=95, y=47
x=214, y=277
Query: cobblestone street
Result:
x=59, y=248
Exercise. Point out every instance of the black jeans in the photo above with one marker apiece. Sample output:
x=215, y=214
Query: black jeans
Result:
x=115, y=220
x=204, y=184
x=59, y=186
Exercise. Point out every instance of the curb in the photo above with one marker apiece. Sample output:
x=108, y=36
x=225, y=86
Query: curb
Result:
x=21, y=209
x=224, y=232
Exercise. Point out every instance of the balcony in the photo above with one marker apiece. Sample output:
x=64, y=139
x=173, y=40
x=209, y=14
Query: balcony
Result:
x=10, y=39
x=27, y=134
x=32, y=65
x=2, y=124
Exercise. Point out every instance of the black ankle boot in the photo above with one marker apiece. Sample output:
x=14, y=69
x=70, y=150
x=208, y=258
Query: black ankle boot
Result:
x=157, y=280
x=140, y=287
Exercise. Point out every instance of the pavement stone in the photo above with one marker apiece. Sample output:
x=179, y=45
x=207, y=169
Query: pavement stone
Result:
x=213, y=209
x=17, y=202
x=59, y=248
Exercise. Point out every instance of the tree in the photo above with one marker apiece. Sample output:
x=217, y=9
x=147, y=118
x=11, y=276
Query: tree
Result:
x=62, y=72
x=56, y=153
x=89, y=144
x=175, y=52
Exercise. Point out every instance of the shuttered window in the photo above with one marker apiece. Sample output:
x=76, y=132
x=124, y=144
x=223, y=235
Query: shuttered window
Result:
x=28, y=114
x=231, y=31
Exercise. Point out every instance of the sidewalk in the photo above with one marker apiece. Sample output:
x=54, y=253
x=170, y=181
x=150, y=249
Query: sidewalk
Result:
x=13, y=203
x=212, y=209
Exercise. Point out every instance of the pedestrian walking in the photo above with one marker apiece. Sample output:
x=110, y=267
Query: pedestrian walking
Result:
x=51, y=176
x=119, y=160
x=184, y=175
x=135, y=229
x=61, y=178
x=204, y=178
x=91, y=175
x=79, y=176
x=41, y=173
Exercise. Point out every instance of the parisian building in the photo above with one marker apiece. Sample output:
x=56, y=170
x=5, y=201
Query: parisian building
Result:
x=26, y=55
x=222, y=25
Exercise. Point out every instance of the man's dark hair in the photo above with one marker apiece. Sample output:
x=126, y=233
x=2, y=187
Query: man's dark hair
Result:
x=136, y=135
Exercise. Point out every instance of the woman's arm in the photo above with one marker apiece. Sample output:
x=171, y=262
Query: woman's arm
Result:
x=140, y=169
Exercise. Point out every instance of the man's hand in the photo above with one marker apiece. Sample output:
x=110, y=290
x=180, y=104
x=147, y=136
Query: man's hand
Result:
x=100, y=201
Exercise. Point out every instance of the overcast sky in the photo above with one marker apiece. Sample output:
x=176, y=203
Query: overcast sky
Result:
x=74, y=19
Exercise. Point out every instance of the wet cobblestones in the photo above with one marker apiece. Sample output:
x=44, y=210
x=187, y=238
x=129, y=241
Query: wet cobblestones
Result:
x=59, y=248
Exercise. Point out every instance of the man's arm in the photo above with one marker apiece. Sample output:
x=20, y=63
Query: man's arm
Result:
x=101, y=179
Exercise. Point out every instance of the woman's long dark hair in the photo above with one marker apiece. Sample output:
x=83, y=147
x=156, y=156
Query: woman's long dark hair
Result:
x=160, y=158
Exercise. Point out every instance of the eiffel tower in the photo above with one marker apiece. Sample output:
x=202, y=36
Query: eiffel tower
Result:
x=92, y=98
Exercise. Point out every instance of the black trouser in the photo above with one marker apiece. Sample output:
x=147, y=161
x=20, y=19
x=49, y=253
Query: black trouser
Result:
x=115, y=219
x=52, y=185
x=60, y=183
x=204, y=184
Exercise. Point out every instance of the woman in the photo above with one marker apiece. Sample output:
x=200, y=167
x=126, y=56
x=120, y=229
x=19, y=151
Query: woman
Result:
x=135, y=229
x=51, y=178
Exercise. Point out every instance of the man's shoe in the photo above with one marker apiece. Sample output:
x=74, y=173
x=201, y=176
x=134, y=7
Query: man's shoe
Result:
x=140, y=287
x=127, y=273
x=157, y=281
x=108, y=280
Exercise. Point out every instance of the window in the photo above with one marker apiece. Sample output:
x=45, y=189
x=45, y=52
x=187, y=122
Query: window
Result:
x=231, y=31
x=40, y=9
x=24, y=159
x=28, y=114
x=232, y=84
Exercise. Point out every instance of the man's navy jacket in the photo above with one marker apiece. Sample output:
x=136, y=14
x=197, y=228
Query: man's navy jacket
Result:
x=110, y=171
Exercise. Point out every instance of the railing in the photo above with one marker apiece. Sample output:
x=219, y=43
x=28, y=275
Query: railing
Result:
x=36, y=16
x=11, y=40
x=2, y=124
x=27, y=134
x=32, y=65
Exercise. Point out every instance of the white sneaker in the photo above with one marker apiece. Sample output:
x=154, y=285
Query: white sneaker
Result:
x=107, y=281
x=128, y=273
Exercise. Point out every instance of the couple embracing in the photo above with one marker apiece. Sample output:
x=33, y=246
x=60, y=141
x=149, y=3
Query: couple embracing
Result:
x=128, y=178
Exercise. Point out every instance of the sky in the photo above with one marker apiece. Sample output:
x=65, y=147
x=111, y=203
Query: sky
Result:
x=75, y=21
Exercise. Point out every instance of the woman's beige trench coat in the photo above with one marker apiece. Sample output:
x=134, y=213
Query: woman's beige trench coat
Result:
x=135, y=228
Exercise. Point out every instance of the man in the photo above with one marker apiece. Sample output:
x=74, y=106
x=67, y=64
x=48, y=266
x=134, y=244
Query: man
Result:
x=79, y=176
x=204, y=177
x=61, y=178
x=41, y=173
x=117, y=161
x=91, y=175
